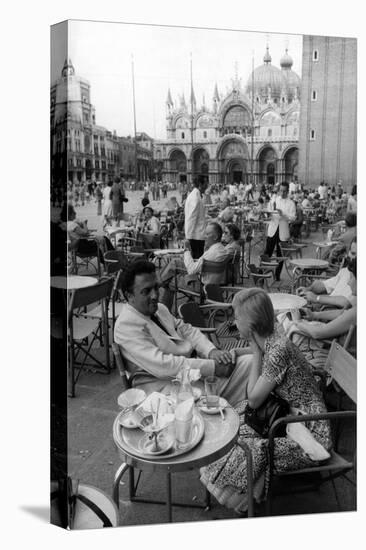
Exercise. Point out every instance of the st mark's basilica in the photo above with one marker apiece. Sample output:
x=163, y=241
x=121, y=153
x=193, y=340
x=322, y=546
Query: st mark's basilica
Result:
x=251, y=133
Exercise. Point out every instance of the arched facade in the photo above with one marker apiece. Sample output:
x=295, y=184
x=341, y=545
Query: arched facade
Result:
x=243, y=136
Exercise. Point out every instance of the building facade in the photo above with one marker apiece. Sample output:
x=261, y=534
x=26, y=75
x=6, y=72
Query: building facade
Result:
x=328, y=120
x=251, y=133
x=83, y=151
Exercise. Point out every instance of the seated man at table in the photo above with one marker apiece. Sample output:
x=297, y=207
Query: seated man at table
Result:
x=214, y=252
x=226, y=214
x=156, y=345
x=336, y=291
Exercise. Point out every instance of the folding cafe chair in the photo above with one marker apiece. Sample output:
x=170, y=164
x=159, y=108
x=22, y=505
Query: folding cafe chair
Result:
x=343, y=370
x=83, y=329
x=217, y=271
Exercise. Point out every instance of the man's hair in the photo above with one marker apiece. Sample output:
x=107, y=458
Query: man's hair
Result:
x=285, y=184
x=234, y=230
x=257, y=307
x=351, y=219
x=138, y=267
x=218, y=229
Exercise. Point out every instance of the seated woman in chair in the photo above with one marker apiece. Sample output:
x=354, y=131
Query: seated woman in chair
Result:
x=78, y=233
x=277, y=366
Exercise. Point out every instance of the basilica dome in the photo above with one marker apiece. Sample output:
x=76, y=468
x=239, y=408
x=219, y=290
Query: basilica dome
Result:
x=265, y=77
x=291, y=80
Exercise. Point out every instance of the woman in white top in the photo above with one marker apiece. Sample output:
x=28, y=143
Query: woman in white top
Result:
x=107, y=204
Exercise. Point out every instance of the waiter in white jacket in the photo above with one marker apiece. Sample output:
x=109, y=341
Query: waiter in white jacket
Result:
x=195, y=219
x=278, y=228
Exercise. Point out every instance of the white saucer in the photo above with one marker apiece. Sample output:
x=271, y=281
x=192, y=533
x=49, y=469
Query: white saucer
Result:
x=212, y=410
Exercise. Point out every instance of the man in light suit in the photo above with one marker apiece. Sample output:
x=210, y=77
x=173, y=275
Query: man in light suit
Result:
x=156, y=345
x=195, y=219
x=278, y=228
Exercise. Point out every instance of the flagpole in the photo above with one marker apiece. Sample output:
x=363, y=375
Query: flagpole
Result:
x=134, y=113
x=192, y=164
x=252, y=140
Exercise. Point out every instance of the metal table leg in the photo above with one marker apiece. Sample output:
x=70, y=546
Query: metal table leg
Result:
x=169, y=496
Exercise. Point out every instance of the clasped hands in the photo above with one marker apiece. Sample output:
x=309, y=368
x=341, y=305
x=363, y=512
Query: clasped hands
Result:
x=224, y=362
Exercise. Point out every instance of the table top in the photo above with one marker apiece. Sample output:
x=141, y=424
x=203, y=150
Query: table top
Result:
x=123, y=229
x=72, y=282
x=309, y=263
x=324, y=244
x=286, y=302
x=167, y=251
x=218, y=438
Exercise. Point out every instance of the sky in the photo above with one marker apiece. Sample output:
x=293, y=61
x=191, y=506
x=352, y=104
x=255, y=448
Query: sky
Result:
x=102, y=53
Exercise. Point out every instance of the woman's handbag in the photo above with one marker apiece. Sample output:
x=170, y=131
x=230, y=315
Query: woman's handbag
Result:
x=262, y=418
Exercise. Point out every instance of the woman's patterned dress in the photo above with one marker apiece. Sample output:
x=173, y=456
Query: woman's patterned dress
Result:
x=283, y=364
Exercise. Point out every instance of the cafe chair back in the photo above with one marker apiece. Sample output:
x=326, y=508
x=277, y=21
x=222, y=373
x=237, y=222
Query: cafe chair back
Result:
x=115, y=260
x=83, y=329
x=194, y=314
x=125, y=383
x=87, y=256
x=342, y=368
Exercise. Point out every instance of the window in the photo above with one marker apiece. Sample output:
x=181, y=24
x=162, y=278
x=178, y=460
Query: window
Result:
x=315, y=55
x=312, y=135
x=269, y=132
x=314, y=95
x=103, y=165
x=78, y=162
x=97, y=164
x=183, y=135
x=205, y=134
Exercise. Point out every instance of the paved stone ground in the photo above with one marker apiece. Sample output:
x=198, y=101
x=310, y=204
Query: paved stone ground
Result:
x=93, y=457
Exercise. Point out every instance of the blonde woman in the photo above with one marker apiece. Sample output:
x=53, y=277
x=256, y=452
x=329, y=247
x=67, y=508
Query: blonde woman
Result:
x=277, y=366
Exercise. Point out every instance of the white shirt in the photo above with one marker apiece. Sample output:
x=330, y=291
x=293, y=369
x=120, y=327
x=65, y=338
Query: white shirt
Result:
x=288, y=208
x=194, y=216
x=340, y=285
x=216, y=253
x=292, y=187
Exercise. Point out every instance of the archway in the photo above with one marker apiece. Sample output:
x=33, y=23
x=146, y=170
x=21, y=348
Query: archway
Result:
x=200, y=165
x=291, y=160
x=270, y=173
x=233, y=158
x=178, y=165
x=267, y=161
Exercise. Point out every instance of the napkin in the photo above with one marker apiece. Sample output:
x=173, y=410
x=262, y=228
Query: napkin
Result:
x=151, y=403
x=303, y=437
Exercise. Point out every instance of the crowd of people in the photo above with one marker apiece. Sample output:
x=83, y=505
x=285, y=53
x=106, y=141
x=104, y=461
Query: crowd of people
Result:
x=282, y=352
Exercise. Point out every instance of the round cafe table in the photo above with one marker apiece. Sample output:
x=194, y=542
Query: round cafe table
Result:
x=309, y=263
x=286, y=302
x=166, y=253
x=72, y=282
x=219, y=437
